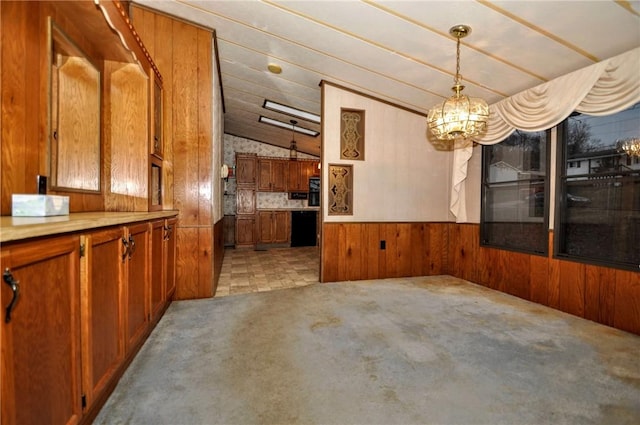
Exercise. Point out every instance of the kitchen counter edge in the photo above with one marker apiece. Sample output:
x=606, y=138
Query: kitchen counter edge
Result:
x=18, y=228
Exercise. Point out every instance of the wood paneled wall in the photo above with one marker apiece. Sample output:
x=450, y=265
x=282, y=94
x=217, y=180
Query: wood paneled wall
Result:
x=351, y=251
x=183, y=53
x=605, y=295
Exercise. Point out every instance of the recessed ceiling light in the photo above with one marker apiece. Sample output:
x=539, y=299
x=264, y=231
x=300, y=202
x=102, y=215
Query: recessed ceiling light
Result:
x=288, y=126
x=290, y=110
x=274, y=68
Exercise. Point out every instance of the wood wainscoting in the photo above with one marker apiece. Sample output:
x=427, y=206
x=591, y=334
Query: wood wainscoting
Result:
x=352, y=251
x=602, y=294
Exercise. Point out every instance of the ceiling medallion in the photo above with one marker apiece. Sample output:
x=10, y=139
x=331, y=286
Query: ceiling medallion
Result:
x=460, y=116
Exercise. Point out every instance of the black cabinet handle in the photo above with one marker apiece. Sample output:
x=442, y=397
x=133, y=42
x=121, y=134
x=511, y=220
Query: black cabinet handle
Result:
x=125, y=242
x=132, y=246
x=15, y=287
x=167, y=232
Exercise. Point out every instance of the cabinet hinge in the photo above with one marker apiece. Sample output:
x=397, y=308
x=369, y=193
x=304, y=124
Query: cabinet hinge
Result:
x=82, y=249
x=84, y=401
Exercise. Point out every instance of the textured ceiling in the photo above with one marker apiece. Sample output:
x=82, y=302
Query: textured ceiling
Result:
x=398, y=51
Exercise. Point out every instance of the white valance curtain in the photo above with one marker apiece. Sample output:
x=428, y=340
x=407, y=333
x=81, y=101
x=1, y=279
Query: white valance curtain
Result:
x=603, y=88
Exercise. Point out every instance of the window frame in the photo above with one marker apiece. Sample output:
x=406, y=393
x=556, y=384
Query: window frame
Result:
x=483, y=201
x=561, y=207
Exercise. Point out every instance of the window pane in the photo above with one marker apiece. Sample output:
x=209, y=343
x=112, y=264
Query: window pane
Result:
x=514, y=190
x=599, y=209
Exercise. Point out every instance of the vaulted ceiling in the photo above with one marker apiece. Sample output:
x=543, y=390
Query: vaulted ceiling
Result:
x=397, y=51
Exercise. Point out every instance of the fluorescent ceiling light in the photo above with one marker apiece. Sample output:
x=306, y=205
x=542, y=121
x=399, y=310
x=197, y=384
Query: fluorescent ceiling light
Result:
x=288, y=126
x=289, y=110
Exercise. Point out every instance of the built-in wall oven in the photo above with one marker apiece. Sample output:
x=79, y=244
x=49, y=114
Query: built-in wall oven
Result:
x=314, y=192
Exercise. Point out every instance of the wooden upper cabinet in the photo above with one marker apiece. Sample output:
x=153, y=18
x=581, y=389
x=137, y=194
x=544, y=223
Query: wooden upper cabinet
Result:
x=155, y=98
x=273, y=175
x=264, y=175
x=299, y=173
x=245, y=169
x=294, y=183
x=41, y=377
x=279, y=175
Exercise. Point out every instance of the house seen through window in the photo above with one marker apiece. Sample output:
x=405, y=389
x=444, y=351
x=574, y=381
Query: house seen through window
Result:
x=598, y=203
x=514, y=193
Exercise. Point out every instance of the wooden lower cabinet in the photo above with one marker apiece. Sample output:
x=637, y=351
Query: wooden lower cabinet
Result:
x=101, y=310
x=41, y=381
x=137, y=315
x=273, y=227
x=157, y=282
x=245, y=231
x=169, y=256
x=84, y=309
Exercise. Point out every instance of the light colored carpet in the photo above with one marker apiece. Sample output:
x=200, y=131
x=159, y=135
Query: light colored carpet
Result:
x=431, y=350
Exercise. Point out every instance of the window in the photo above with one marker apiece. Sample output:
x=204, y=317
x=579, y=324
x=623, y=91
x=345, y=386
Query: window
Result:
x=598, y=205
x=514, y=193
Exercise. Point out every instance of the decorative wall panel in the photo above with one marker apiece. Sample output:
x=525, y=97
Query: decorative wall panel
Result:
x=351, y=134
x=340, y=189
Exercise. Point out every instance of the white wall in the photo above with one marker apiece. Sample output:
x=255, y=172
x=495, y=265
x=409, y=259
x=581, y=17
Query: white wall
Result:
x=403, y=177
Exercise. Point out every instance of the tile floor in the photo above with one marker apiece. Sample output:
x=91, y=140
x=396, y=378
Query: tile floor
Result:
x=247, y=270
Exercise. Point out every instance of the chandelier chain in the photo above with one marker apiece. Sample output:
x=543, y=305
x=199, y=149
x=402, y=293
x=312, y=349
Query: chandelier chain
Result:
x=456, y=80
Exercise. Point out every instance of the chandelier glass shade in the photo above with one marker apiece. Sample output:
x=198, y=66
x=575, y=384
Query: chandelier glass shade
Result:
x=460, y=116
x=630, y=146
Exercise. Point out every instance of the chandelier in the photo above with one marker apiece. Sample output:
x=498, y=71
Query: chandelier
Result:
x=629, y=146
x=460, y=116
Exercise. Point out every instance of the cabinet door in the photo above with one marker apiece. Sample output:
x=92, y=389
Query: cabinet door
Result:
x=41, y=342
x=170, y=258
x=245, y=231
x=279, y=175
x=294, y=176
x=264, y=175
x=265, y=227
x=281, y=231
x=137, y=272
x=245, y=201
x=157, y=269
x=245, y=169
x=101, y=305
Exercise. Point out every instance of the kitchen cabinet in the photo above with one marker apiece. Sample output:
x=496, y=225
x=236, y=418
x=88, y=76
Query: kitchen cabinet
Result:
x=245, y=231
x=299, y=173
x=273, y=227
x=246, y=169
x=102, y=317
x=83, y=311
x=169, y=255
x=136, y=262
x=245, y=201
x=157, y=281
x=272, y=175
x=41, y=376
